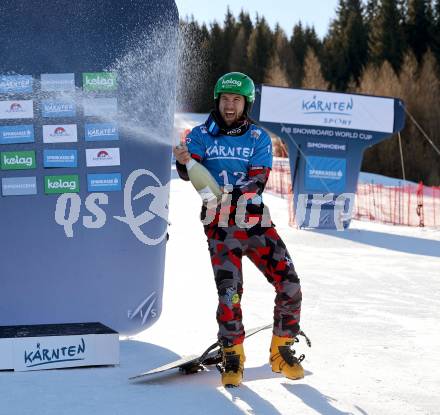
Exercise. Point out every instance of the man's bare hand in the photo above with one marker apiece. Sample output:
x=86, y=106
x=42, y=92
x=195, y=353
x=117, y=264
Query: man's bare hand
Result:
x=182, y=154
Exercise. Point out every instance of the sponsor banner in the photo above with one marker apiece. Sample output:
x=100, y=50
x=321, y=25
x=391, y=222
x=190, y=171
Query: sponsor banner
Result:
x=99, y=81
x=57, y=82
x=101, y=132
x=14, y=110
x=60, y=158
x=16, y=84
x=325, y=174
x=16, y=134
x=327, y=109
x=16, y=186
x=55, y=352
x=18, y=160
x=110, y=182
x=325, y=146
x=319, y=132
x=100, y=107
x=97, y=157
x=65, y=133
x=58, y=109
x=61, y=184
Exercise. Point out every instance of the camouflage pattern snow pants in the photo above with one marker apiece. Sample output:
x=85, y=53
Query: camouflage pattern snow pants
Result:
x=264, y=247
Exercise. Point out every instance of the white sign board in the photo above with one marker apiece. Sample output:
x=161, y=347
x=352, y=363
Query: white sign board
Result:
x=14, y=110
x=326, y=109
x=55, y=352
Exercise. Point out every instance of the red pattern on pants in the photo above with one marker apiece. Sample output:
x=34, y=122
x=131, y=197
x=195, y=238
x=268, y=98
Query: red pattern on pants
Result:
x=264, y=247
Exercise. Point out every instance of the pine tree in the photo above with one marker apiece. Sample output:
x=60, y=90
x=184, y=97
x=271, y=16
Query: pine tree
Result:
x=436, y=30
x=419, y=26
x=281, y=60
x=245, y=22
x=383, y=158
x=259, y=50
x=238, y=57
x=427, y=113
x=371, y=11
x=313, y=78
x=298, y=45
x=192, y=48
x=387, y=36
x=346, y=46
x=229, y=34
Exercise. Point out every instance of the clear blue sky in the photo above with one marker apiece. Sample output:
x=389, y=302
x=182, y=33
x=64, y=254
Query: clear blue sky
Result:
x=286, y=12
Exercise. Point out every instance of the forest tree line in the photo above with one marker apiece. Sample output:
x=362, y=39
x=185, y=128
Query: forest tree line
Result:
x=380, y=47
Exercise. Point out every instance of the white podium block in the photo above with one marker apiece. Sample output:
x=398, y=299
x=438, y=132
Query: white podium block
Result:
x=56, y=346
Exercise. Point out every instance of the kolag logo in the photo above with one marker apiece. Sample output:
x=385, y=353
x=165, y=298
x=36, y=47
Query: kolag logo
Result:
x=61, y=184
x=231, y=82
x=99, y=81
x=65, y=353
x=18, y=160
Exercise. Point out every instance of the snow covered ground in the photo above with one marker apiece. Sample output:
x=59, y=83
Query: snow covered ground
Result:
x=371, y=309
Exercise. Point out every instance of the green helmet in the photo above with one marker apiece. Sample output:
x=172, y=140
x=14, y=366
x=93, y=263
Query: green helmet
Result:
x=235, y=83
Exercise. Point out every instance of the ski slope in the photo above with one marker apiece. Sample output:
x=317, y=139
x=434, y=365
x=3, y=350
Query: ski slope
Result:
x=371, y=309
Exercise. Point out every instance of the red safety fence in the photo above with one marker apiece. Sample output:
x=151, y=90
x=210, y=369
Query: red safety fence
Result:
x=280, y=182
x=409, y=204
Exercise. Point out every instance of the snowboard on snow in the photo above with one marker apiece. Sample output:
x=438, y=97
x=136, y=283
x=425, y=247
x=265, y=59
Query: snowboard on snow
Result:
x=196, y=363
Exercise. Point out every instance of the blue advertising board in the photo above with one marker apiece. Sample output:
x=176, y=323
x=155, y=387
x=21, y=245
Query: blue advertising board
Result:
x=326, y=134
x=86, y=115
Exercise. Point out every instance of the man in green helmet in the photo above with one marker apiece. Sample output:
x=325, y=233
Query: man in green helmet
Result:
x=238, y=154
